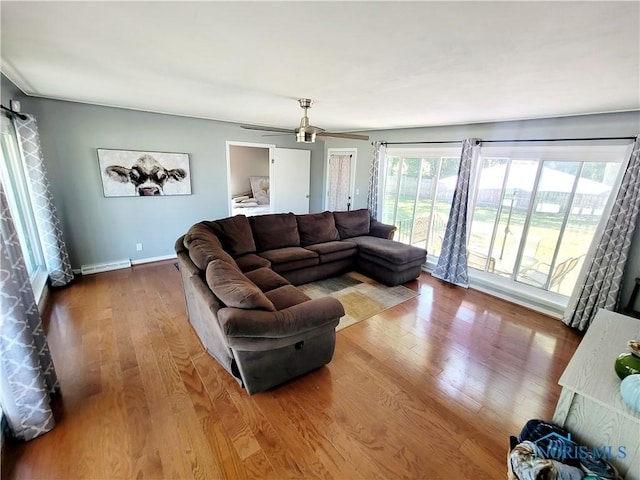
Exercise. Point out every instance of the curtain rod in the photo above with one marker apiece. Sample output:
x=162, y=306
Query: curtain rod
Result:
x=588, y=139
x=13, y=112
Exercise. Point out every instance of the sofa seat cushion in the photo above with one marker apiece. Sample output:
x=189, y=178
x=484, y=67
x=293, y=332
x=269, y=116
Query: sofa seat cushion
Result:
x=251, y=261
x=234, y=289
x=234, y=234
x=388, y=251
x=332, y=251
x=290, y=258
x=286, y=296
x=266, y=279
x=353, y=223
x=317, y=228
x=204, y=246
x=275, y=230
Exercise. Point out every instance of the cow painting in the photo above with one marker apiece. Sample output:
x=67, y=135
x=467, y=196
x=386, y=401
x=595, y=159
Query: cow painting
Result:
x=149, y=175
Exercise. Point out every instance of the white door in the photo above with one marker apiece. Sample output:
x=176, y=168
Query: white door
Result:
x=290, y=178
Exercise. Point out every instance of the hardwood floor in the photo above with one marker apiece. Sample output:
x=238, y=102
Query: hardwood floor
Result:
x=431, y=388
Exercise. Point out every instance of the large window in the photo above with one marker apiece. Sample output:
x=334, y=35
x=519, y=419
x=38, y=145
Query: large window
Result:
x=15, y=186
x=534, y=209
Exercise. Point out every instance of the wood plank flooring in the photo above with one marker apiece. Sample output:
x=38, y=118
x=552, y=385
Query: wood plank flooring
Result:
x=431, y=388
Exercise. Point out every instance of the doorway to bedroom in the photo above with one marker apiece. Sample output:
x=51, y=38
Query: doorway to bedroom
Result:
x=248, y=178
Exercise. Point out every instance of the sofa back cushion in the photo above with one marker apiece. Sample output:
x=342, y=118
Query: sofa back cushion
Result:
x=353, y=223
x=204, y=246
x=274, y=231
x=317, y=228
x=234, y=234
x=234, y=289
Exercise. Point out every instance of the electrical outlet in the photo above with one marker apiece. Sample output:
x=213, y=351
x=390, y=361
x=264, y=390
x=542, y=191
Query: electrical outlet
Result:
x=357, y=191
x=138, y=247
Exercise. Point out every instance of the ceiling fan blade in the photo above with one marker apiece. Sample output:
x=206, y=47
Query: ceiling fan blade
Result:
x=306, y=132
x=267, y=129
x=352, y=136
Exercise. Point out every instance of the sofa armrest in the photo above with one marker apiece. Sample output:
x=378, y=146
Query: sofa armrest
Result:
x=382, y=230
x=297, y=319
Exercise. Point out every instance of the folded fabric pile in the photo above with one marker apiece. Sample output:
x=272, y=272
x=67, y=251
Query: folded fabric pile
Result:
x=545, y=451
x=244, y=201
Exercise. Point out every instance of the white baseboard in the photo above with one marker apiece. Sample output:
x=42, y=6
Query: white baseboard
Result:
x=153, y=259
x=104, y=267
x=119, y=264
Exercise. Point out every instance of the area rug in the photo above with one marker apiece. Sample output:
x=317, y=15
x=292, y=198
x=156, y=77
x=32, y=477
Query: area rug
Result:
x=361, y=297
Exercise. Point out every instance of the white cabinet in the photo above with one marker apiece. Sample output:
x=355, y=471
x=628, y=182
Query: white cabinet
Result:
x=590, y=404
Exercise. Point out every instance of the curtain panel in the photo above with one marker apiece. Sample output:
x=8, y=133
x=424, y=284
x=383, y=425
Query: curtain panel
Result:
x=27, y=374
x=379, y=153
x=49, y=230
x=452, y=264
x=600, y=279
x=339, y=188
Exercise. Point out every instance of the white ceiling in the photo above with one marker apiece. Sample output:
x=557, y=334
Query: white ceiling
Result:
x=368, y=65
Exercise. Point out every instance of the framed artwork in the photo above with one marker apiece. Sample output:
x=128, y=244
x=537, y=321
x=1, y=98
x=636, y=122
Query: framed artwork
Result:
x=131, y=173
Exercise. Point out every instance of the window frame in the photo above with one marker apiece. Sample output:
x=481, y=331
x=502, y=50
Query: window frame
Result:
x=510, y=289
x=13, y=175
x=582, y=154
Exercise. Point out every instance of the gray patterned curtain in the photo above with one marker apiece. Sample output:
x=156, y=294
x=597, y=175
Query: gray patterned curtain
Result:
x=49, y=231
x=598, y=285
x=379, y=152
x=27, y=375
x=452, y=263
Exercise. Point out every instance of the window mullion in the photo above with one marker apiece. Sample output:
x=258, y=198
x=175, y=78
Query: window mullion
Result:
x=398, y=182
x=496, y=224
x=565, y=220
x=415, y=203
x=527, y=221
x=433, y=202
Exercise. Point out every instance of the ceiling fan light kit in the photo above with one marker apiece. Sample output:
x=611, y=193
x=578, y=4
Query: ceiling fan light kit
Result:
x=302, y=136
x=307, y=133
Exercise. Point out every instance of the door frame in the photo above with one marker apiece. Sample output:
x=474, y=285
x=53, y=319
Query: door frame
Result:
x=229, y=143
x=353, y=151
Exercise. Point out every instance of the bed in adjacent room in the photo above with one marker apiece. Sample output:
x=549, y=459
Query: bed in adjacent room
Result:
x=254, y=202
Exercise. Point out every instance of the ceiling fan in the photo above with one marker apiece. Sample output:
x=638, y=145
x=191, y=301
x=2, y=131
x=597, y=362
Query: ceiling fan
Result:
x=306, y=133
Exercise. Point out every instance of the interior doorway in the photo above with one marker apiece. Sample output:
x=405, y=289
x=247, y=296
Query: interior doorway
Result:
x=340, y=181
x=264, y=179
x=248, y=178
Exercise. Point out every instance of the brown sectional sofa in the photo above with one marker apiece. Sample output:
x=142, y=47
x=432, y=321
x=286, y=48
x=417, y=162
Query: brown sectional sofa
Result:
x=239, y=274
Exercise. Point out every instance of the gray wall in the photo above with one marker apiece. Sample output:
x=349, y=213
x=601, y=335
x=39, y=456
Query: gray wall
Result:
x=99, y=229
x=604, y=125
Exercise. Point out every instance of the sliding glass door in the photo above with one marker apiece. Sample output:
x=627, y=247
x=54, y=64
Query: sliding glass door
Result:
x=418, y=194
x=535, y=209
